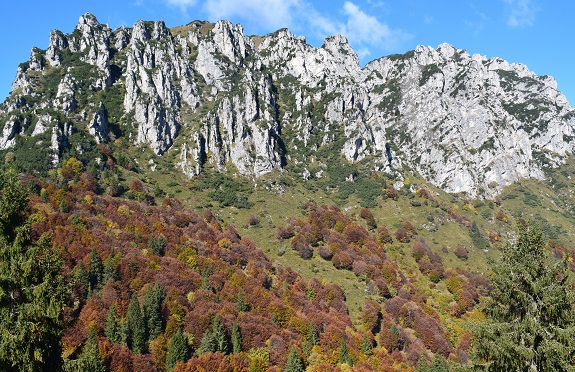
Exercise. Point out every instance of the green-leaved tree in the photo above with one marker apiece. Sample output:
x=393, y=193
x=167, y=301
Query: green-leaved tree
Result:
x=177, y=350
x=530, y=316
x=136, y=327
x=32, y=288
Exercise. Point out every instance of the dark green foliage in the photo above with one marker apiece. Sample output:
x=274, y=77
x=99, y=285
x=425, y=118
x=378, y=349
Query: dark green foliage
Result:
x=312, y=335
x=241, y=305
x=436, y=365
x=152, y=311
x=90, y=360
x=225, y=190
x=236, y=338
x=344, y=356
x=82, y=278
x=113, y=330
x=427, y=72
x=215, y=339
x=294, y=362
x=530, y=323
x=157, y=244
x=366, y=346
x=32, y=288
x=96, y=269
x=136, y=327
x=177, y=350
x=110, y=269
x=477, y=238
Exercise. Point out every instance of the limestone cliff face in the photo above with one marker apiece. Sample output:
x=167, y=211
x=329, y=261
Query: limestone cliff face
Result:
x=466, y=123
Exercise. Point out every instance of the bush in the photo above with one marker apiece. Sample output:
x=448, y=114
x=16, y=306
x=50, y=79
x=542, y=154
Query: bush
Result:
x=461, y=253
x=402, y=236
x=324, y=252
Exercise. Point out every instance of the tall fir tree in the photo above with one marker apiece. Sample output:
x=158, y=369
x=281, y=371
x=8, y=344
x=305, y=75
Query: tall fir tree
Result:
x=96, y=269
x=215, y=339
x=241, y=304
x=530, y=323
x=177, y=350
x=220, y=335
x=136, y=327
x=294, y=362
x=152, y=311
x=312, y=335
x=90, y=360
x=113, y=330
x=236, y=338
x=32, y=288
x=344, y=356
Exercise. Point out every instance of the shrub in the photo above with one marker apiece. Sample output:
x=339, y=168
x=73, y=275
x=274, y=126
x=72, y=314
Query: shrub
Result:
x=401, y=235
x=461, y=253
x=324, y=252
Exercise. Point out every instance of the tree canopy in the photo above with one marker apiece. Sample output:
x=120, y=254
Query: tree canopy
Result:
x=530, y=324
x=32, y=290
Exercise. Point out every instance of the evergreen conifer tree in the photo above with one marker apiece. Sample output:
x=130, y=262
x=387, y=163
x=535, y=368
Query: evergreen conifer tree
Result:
x=312, y=335
x=344, y=356
x=219, y=334
x=136, y=327
x=82, y=278
x=113, y=330
x=530, y=323
x=152, y=311
x=90, y=360
x=294, y=362
x=241, y=304
x=96, y=269
x=215, y=339
x=177, y=350
x=236, y=338
x=366, y=347
x=32, y=288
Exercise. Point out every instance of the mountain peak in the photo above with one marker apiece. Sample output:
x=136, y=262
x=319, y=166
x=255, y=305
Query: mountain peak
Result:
x=214, y=95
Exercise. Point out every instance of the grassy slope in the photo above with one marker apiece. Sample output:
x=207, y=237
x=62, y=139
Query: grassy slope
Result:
x=547, y=201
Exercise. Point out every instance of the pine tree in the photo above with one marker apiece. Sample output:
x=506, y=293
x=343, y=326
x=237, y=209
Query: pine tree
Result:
x=236, y=338
x=96, y=269
x=136, y=327
x=219, y=334
x=241, y=304
x=90, y=360
x=366, y=347
x=82, y=278
x=110, y=269
x=157, y=244
x=215, y=339
x=312, y=335
x=294, y=362
x=152, y=311
x=32, y=288
x=344, y=356
x=177, y=350
x=530, y=323
x=113, y=330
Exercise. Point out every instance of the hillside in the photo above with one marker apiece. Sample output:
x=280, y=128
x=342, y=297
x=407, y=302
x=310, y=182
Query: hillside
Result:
x=258, y=200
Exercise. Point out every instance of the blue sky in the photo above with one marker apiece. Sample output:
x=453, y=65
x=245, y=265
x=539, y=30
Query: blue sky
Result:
x=537, y=33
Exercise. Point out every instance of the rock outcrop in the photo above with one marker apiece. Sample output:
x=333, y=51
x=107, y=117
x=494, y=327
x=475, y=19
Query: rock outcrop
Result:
x=465, y=123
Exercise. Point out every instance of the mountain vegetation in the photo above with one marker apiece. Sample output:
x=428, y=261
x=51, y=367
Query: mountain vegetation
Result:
x=194, y=199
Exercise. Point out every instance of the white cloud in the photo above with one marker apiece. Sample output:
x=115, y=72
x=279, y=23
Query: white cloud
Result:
x=522, y=13
x=365, y=32
x=268, y=14
x=182, y=4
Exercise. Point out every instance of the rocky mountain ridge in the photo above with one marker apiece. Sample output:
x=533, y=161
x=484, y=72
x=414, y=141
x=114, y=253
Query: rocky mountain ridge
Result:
x=216, y=96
